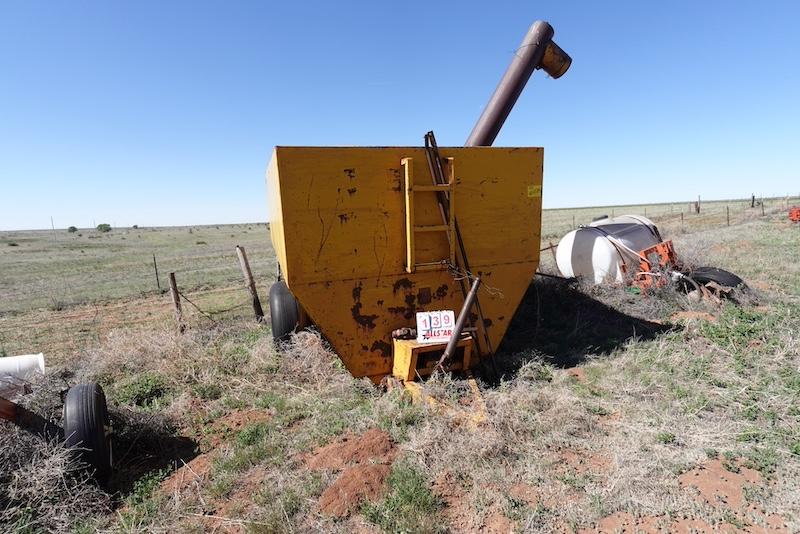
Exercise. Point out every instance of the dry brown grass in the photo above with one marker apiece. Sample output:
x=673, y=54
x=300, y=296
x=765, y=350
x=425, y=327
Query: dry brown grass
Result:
x=566, y=441
x=42, y=487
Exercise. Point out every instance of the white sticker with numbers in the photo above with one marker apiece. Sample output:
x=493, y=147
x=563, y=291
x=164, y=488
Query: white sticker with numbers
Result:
x=435, y=326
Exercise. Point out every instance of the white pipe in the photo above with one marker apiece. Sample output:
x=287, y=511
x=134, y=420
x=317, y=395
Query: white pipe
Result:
x=22, y=366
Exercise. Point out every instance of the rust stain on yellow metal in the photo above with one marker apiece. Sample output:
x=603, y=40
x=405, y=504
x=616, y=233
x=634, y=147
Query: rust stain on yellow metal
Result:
x=340, y=222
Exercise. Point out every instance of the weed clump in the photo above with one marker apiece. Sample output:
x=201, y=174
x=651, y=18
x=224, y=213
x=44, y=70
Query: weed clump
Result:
x=145, y=390
x=410, y=505
x=43, y=487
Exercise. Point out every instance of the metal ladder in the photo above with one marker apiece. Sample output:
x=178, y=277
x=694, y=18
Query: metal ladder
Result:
x=448, y=220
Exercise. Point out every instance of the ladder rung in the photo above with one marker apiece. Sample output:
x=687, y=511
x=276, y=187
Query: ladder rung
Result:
x=430, y=266
x=432, y=228
x=438, y=187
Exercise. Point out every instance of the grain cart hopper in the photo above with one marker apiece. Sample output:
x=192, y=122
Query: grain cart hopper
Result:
x=364, y=242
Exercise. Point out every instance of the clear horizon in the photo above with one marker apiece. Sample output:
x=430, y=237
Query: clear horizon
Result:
x=242, y=223
x=166, y=114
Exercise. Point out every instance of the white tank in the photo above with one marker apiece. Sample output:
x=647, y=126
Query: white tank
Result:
x=598, y=251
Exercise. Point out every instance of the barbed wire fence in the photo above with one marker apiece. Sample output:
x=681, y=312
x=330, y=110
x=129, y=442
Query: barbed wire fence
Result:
x=673, y=217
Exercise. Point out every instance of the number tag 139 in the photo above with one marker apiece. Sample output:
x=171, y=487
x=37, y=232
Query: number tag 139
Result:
x=435, y=326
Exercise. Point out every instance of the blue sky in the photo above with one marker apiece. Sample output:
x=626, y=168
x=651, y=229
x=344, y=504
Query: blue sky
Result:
x=165, y=113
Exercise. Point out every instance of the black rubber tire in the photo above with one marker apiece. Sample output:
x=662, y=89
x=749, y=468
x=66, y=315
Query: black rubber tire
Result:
x=703, y=275
x=87, y=427
x=284, y=311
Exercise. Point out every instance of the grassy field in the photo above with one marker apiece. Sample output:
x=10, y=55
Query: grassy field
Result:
x=614, y=412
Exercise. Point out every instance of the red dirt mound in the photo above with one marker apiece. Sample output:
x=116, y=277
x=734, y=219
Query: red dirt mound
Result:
x=355, y=484
x=373, y=446
x=366, y=462
x=183, y=477
x=719, y=486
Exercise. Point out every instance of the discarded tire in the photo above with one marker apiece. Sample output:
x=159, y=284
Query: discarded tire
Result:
x=703, y=275
x=87, y=428
x=283, y=310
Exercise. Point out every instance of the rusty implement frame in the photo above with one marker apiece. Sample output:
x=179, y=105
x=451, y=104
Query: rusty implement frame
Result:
x=28, y=420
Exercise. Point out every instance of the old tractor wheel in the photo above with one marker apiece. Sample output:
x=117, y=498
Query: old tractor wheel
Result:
x=87, y=428
x=283, y=310
x=704, y=275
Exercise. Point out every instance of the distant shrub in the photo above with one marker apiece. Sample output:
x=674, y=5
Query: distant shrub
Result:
x=135, y=226
x=200, y=243
x=72, y=229
x=12, y=244
x=103, y=227
x=56, y=304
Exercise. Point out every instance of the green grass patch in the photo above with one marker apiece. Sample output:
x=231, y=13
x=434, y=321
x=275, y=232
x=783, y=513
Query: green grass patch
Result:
x=146, y=390
x=207, y=391
x=667, y=438
x=142, y=504
x=409, y=506
x=763, y=459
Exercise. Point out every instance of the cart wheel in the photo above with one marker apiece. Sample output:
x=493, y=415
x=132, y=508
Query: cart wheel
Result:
x=703, y=275
x=87, y=427
x=283, y=311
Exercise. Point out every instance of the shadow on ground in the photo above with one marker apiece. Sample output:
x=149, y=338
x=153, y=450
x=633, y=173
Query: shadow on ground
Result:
x=559, y=323
x=145, y=443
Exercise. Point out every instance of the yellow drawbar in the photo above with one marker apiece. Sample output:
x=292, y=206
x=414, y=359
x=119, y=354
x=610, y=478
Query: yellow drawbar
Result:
x=362, y=244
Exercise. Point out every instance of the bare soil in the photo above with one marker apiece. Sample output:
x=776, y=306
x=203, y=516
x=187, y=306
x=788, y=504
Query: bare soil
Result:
x=372, y=447
x=354, y=485
x=364, y=461
x=189, y=473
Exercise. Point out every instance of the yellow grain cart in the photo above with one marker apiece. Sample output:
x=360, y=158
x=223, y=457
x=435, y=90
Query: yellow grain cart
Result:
x=363, y=244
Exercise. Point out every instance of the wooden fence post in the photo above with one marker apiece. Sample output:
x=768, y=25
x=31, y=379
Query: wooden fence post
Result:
x=250, y=282
x=762, y=206
x=728, y=212
x=573, y=222
x=155, y=267
x=176, y=300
